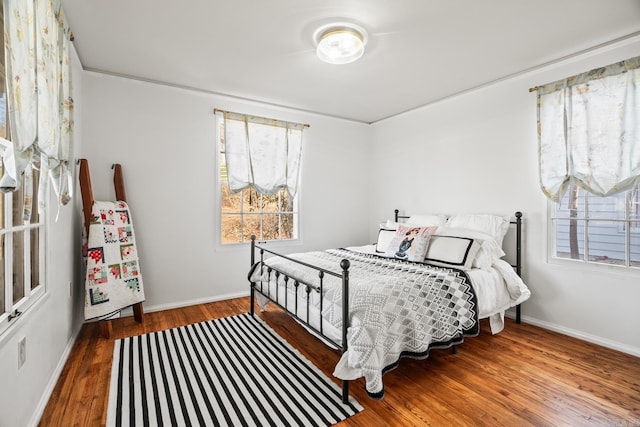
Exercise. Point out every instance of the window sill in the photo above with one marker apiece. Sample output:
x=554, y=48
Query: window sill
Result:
x=610, y=269
x=234, y=247
x=17, y=324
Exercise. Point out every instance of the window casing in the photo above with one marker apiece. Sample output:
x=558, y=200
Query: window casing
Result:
x=22, y=248
x=248, y=212
x=597, y=230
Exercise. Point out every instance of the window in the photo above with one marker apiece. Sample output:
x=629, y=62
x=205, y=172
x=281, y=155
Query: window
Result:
x=267, y=208
x=594, y=229
x=21, y=244
x=589, y=152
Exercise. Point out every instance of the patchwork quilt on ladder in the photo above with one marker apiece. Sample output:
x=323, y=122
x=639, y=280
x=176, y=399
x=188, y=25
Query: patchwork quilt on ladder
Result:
x=113, y=279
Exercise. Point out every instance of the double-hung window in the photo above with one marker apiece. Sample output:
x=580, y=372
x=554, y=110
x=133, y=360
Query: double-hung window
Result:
x=258, y=171
x=21, y=242
x=589, y=146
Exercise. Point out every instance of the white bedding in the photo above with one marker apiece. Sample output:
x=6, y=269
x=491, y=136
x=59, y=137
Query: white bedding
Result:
x=497, y=290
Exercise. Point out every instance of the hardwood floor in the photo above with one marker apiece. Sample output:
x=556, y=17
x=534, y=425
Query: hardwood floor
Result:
x=520, y=377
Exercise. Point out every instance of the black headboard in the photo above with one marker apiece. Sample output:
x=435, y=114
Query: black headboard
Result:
x=518, y=265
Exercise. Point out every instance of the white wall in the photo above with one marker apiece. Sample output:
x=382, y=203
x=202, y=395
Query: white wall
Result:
x=477, y=152
x=164, y=137
x=51, y=324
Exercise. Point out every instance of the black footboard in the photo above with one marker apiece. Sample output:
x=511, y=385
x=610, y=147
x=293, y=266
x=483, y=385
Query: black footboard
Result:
x=296, y=283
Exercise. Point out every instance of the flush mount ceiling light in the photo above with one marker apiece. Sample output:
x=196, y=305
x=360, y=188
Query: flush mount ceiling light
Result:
x=340, y=42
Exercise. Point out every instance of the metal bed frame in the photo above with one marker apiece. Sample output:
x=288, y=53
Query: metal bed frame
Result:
x=344, y=276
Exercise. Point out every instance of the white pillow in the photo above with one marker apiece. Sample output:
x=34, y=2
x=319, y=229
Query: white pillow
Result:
x=489, y=249
x=410, y=243
x=494, y=225
x=425, y=220
x=452, y=251
x=385, y=236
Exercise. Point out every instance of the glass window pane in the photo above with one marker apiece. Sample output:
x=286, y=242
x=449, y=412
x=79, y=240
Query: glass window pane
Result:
x=270, y=203
x=35, y=214
x=570, y=238
x=251, y=225
x=286, y=202
x=572, y=204
x=35, y=257
x=607, y=242
x=251, y=200
x=2, y=281
x=18, y=266
x=18, y=206
x=634, y=205
x=287, y=226
x=635, y=244
x=230, y=203
x=612, y=207
x=271, y=226
x=231, y=228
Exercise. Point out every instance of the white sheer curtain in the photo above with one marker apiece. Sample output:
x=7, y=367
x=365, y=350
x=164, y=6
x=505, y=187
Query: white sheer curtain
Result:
x=589, y=131
x=261, y=153
x=39, y=95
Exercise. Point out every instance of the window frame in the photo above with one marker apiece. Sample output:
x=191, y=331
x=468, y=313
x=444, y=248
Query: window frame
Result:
x=31, y=295
x=219, y=245
x=584, y=261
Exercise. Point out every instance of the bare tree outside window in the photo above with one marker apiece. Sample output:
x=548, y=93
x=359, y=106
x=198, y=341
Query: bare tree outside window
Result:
x=594, y=229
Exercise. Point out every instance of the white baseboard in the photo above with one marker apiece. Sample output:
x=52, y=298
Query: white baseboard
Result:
x=152, y=308
x=634, y=351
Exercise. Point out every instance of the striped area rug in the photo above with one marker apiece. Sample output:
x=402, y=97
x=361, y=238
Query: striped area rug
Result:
x=224, y=372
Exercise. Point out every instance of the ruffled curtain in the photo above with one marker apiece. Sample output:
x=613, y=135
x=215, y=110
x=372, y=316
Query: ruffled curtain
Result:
x=589, y=131
x=261, y=153
x=39, y=96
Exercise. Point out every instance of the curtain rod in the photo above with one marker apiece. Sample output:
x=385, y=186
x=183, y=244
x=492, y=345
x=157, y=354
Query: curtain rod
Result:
x=218, y=110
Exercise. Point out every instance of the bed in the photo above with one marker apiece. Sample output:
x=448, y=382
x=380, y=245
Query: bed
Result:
x=424, y=284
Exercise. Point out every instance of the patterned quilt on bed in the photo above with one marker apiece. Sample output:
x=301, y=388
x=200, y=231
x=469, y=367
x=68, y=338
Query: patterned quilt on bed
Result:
x=397, y=308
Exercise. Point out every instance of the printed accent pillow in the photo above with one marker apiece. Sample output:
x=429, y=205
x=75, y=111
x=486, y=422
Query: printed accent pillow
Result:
x=410, y=243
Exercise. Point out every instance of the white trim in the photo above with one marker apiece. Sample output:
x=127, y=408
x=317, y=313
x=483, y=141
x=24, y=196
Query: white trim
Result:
x=181, y=304
x=615, y=345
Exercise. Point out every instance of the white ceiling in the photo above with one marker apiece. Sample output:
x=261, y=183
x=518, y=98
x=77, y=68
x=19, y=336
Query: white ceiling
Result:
x=419, y=51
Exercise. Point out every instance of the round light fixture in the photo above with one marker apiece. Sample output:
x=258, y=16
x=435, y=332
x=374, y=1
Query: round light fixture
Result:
x=340, y=43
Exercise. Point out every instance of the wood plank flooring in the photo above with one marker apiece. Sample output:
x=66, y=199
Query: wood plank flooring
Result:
x=524, y=376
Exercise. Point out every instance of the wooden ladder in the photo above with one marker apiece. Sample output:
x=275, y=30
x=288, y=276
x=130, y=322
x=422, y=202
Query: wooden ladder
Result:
x=106, y=328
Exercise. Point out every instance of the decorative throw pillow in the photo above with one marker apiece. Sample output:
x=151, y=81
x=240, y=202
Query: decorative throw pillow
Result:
x=489, y=250
x=452, y=251
x=410, y=243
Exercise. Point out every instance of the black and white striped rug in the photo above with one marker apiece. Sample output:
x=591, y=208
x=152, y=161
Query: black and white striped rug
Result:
x=230, y=371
